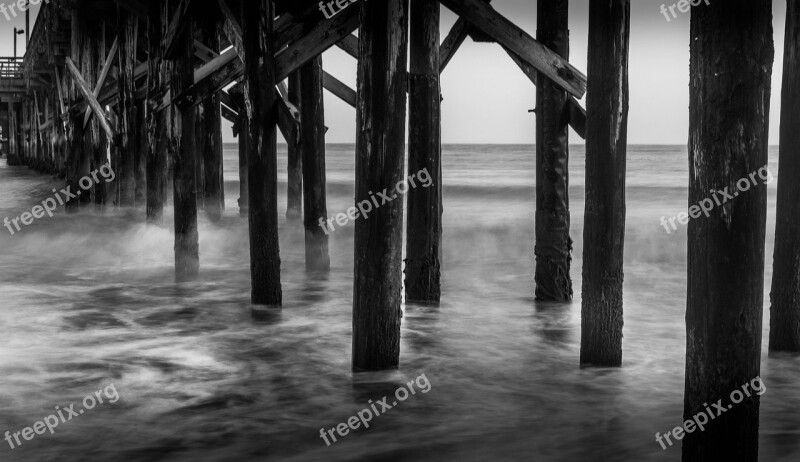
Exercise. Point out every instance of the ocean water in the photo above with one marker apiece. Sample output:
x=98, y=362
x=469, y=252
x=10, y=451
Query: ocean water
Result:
x=88, y=301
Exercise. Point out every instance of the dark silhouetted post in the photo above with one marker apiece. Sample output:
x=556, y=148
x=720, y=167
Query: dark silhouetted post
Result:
x=604, y=218
x=126, y=174
x=380, y=148
x=729, y=96
x=424, y=229
x=553, y=244
x=187, y=252
x=157, y=122
x=312, y=147
x=784, y=319
x=262, y=159
x=294, y=188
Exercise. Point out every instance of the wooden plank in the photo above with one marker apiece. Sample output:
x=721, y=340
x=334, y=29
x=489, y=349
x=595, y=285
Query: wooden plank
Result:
x=220, y=72
x=489, y=21
x=102, y=79
x=84, y=88
x=458, y=33
x=339, y=89
x=61, y=103
x=229, y=114
x=575, y=115
x=319, y=39
x=349, y=44
x=231, y=27
x=176, y=26
x=203, y=52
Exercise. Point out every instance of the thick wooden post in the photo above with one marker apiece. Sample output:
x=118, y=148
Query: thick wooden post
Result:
x=140, y=159
x=553, y=244
x=187, y=257
x=312, y=146
x=100, y=138
x=13, y=153
x=729, y=98
x=213, y=186
x=241, y=130
x=157, y=122
x=294, y=189
x=424, y=229
x=244, y=137
x=126, y=175
x=604, y=218
x=262, y=160
x=91, y=136
x=784, y=320
x=380, y=149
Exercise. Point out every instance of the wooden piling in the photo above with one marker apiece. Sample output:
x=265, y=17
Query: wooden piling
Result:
x=553, y=248
x=241, y=130
x=13, y=154
x=731, y=56
x=140, y=159
x=784, y=320
x=380, y=148
x=187, y=258
x=294, y=189
x=126, y=174
x=312, y=147
x=604, y=217
x=100, y=139
x=262, y=164
x=157, y=122
x=424, y=229
x=213, y=185
x=89, y=70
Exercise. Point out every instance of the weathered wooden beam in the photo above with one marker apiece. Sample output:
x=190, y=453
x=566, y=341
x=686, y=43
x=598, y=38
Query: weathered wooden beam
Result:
x=175, y=28
x=424, y=210
x=102, y=79
x=210, y=138
x=489, y=21
x=312, y=148
x=315, y=42
x=229, y=114
x=784, y=321
x=262, y=159
x=339, y=89
x=187, y=257
x=574, y=114
x=220, y=72
x=203, y=52
x=231, y=27
x=380, y=154
x=294, y=164
x=349, y=44
x=604, y=216
x=730, y=61
x=455, y=38
x=91, y=100
x=553, y=244
x=128, y=122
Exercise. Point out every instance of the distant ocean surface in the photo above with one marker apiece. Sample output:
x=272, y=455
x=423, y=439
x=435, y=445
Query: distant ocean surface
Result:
x=87, y=300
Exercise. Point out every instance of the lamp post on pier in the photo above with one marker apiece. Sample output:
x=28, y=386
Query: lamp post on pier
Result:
x=17, y=32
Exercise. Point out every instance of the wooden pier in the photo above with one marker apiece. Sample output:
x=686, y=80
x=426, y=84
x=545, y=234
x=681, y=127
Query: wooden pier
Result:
x=143, y=85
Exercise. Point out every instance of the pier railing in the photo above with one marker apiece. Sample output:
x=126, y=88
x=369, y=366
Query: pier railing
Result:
x=10, y=68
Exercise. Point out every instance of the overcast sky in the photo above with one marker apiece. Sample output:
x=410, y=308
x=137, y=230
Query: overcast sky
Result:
x=487, y=98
